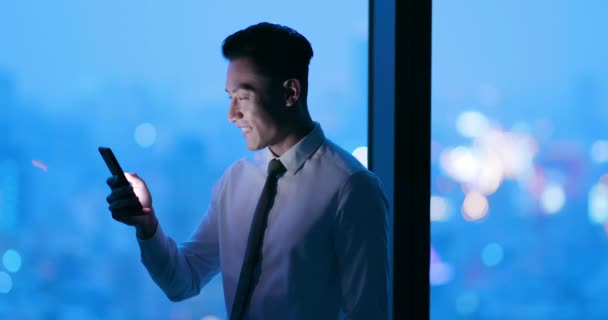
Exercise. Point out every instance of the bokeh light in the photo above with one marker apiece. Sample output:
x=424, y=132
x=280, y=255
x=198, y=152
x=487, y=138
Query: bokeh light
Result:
x=11, y=260
x=361, y=154
x=492, y=254
x=553, y=198
x=599, y=151
x=40, y=165
x=460, y=163
x=475, y=206
x=434, y=255
x=6, y=282
x=490, y=174
x=493, y=156
x=440, y=208
x=472, y=124
x=440, y=273
x=598, y=203
x=145, y=135
x=516, y=150
x=467, y=303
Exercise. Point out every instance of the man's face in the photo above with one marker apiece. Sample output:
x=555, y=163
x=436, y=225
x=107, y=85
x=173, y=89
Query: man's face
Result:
x=254, y=105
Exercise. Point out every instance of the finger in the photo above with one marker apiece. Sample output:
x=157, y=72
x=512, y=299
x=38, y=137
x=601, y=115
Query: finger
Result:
x=129, y=214
x=114, y=182
x=121, y=193
x=133, y=174
x=128, y=217
x=129, y=204
x=124, y=217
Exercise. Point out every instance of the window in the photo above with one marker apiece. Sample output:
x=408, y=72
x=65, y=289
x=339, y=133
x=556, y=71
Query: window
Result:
x=147, y=79
x=519, y=160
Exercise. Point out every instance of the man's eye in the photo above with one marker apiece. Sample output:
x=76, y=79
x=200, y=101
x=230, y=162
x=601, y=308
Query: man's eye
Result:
x=238, y=98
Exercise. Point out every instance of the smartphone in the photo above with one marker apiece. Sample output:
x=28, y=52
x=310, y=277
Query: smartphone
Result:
x=112, y=163
x=115, y=169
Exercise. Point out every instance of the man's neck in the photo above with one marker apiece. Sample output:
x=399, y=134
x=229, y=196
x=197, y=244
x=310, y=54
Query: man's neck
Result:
x=294, y=135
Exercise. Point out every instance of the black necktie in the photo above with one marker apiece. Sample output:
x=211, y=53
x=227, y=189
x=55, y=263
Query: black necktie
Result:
x=253, y=252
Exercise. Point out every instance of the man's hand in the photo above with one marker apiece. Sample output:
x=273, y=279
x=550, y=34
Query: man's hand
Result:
x=132, y=205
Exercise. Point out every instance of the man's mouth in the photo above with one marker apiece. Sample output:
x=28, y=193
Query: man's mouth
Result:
x=246, y=129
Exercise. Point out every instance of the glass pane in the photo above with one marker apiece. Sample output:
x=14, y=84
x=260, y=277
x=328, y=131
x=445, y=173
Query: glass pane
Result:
x=519, y=203
x=147, y=79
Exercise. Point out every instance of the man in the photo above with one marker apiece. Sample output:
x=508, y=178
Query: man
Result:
x=308, y=239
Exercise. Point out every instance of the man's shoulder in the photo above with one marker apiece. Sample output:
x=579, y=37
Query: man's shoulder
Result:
x=338, y=160
x=349, y=175
x=243, y=165
x=346, y=167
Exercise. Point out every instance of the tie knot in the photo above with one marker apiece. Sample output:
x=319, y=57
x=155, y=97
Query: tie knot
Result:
x=275, y=168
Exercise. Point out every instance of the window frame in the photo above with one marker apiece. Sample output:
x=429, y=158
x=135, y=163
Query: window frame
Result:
x=400, y=142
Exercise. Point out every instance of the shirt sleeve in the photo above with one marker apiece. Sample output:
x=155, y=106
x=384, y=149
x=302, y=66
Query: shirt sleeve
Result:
x=182, y=270
x=361, y=246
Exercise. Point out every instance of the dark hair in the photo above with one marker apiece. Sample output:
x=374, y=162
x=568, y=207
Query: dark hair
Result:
x=277, y=51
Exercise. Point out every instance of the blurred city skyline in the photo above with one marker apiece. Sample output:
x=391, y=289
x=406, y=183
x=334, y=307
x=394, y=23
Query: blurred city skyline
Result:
x=146, y=79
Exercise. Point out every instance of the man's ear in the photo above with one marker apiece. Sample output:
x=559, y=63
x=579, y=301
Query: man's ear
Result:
x=292, y=89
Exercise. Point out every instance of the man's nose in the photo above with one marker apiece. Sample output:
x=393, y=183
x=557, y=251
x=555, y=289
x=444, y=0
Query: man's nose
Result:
x=233, y=112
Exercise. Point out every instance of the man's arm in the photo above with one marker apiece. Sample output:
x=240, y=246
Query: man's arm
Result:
x=181, y=271
x=361, y=246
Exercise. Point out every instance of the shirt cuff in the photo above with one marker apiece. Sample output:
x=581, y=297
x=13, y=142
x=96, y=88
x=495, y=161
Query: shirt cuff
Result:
x=153, y=248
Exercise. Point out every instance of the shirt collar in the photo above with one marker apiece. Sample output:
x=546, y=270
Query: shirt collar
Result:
x=294, y=158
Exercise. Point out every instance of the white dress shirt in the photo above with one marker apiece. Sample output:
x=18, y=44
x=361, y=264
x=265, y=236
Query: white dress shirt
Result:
x=325, y=245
